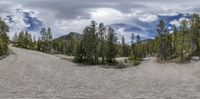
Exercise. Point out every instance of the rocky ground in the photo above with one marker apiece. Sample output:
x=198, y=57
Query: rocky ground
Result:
x=30, y=74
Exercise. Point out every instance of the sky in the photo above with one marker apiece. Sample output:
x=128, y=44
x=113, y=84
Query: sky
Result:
x=125, y=16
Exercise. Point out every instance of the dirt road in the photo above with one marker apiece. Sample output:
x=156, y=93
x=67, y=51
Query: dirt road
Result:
x=31, y=74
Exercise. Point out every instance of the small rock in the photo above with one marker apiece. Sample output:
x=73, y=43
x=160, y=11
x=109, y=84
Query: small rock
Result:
x=196, y=58
x=122, y=64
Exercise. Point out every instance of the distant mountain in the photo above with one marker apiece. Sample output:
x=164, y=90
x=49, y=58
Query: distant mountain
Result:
x=79, y=36
x=69, y=36
x=146, y=41
x=143, y=41
x=67, y=44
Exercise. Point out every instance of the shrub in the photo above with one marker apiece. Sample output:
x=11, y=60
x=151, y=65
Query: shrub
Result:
x=125, y=60
x=134, y=60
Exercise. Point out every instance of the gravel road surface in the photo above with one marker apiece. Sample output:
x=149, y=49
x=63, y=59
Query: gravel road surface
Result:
x=35, y=75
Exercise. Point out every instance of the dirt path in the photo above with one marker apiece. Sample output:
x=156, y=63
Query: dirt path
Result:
x=31, y=74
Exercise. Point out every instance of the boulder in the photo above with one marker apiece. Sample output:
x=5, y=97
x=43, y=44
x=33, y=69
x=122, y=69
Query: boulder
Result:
x=195, y=58
x=121, y=64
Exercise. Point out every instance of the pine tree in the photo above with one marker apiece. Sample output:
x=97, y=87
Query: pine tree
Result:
x=102, y=49
x=46, y=40
x=96, y=43
x=79, y=55
x=88, y=44
x=164, y=41
x=184, y=48
x=30, y=41
x=49, y=39
x=26, y=39
x=132, y=43
x=34, y=43
x=111, y=46
x=124, y=47
x=21, y=40
x=39, y=44
x=95, y=40
x=4, y=40
x=174, y=40
x=15, y=39
x=195, y=29
x=139, y=49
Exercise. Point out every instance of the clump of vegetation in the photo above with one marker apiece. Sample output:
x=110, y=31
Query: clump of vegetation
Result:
x=134, y=60
x=97, y=42
x=23, y=40
x=131, y=61
x=26, y=40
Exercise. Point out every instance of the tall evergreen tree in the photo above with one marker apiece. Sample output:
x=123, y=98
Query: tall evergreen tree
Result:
x=174, y=40
x=111, y=46
x=15, y=39
x=139, y=49
x=95, y=40
x=132, y=43
x=4, y=40
x=165, y=46
x=102, y=49
x=46, y=40
x=88, y=43
x=195, y=29
x=184, y=47
x=124, y=47
x=21, y=39
x=26, y=39
x=49, y=39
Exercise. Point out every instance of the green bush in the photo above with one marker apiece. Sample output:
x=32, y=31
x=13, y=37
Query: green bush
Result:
x=125, y=60
x=3, y=46
x=134, y=60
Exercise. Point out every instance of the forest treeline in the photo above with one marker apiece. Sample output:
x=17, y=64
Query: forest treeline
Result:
x=98, y=44
x=4, y=40
x=182, y=44
x=44, y=43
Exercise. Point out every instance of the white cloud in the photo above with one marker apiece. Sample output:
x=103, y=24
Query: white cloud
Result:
x=148, y=18
x=62, y=27
x=169, y=27
x=109, y=15
x=177, y=22
x=127, y=35
x=18, y=23
x=106, y=15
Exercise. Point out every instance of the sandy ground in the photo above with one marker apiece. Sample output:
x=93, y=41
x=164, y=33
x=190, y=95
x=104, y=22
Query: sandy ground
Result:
x=30, y=74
